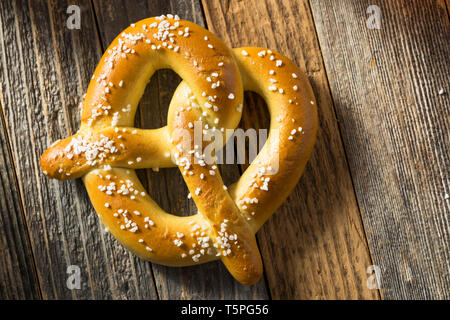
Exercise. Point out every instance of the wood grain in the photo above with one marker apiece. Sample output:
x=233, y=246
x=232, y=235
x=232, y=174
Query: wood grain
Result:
x=211, y=280
x=395, y=126
x=378, y=177
x=48, y=70
x=314, y=246
x=17, y=273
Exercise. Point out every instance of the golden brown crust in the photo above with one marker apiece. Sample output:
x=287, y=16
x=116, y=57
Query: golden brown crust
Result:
x=236, y=243
x=292, y=135
x=141, y=49
x=107, y=149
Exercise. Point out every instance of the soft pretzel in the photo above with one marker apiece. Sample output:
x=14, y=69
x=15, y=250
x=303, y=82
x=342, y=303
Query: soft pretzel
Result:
x=107, y=149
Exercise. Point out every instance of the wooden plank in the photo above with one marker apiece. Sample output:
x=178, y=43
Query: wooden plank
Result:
x=48, y=71
x=395, y=126
x=18, y=278
x=314, y=246
x=207, y=281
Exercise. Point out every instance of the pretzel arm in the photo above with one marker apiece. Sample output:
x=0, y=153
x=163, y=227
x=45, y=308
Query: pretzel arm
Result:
x=269, y=179
x=123, y=147
x=152, y=44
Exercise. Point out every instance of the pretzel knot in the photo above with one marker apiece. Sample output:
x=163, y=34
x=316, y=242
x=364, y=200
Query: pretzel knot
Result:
x=107, y=148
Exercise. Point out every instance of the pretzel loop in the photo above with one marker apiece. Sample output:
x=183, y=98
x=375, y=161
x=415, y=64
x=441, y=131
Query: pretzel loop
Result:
x=107, y=148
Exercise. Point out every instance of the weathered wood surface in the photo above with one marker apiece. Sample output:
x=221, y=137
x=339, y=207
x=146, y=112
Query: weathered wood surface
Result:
x=390, y=191
x=314, y=246
x=395, y=126
x=17, y=275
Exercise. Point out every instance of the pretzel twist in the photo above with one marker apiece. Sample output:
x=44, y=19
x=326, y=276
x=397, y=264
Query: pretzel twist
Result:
x=107, y=149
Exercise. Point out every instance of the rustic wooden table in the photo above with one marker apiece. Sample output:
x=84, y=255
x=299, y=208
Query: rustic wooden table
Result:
x=375, y=192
